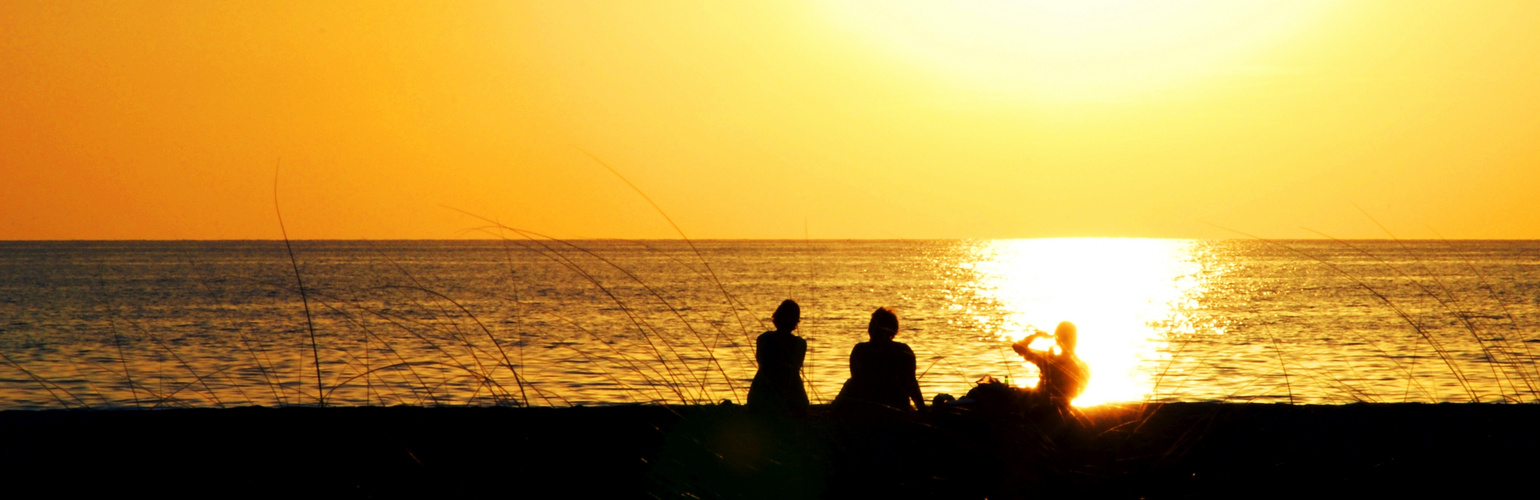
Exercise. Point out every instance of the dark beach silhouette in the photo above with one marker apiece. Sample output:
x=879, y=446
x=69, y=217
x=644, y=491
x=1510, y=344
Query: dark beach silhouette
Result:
x=881, y=370
x=1177, y=450
x=777, y=387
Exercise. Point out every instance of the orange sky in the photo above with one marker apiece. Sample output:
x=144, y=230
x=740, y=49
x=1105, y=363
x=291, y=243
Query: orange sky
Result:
x=126, y=120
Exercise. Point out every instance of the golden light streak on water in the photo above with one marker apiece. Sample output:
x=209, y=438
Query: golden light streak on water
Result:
x=1116, y=290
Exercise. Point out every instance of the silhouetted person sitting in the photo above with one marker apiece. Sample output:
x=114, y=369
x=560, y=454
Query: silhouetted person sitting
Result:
x=881, y=370
x=1064, y=375
x=777, y=387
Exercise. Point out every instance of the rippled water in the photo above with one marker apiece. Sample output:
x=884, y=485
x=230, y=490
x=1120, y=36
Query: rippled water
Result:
x=223, y=323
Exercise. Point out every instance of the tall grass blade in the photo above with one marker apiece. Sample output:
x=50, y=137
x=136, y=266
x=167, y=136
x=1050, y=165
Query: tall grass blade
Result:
x=686, y=239
x=315, y=350
x=1444, y=355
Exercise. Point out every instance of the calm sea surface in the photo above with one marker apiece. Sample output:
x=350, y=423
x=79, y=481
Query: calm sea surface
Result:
x=540, y=322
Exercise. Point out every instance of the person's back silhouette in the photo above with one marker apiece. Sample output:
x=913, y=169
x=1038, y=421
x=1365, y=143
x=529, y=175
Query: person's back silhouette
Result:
x=777, y=387
x=881, y=370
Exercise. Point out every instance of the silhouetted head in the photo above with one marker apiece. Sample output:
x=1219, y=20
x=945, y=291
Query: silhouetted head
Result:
x=787, y=316
x=1064, y=335
x=884, y=325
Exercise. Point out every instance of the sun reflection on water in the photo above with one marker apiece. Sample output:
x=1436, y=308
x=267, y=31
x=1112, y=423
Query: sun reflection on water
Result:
x=1118, y=291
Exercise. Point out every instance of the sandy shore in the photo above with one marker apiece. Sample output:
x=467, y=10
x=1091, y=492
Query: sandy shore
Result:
x=1174, y=450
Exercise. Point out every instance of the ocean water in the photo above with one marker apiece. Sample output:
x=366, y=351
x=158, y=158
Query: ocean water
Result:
x=542, y=322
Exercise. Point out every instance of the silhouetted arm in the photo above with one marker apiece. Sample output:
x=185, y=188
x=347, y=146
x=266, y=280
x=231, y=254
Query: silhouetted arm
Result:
x=913, y=391
x=801, y=353
x=760, y=353
x=1034, y=357
x=856, y=365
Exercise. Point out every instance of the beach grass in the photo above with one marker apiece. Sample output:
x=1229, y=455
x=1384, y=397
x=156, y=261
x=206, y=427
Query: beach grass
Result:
x=405, y=342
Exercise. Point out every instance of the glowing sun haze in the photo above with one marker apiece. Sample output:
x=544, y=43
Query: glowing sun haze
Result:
x=980, y=119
